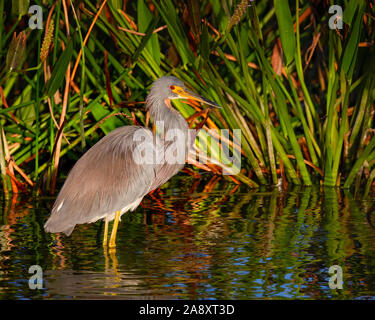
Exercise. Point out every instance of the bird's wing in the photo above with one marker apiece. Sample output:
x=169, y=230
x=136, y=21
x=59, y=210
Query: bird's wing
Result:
x=105, y=179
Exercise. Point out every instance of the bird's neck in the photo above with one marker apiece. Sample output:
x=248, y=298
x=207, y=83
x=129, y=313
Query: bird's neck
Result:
x=166, y=118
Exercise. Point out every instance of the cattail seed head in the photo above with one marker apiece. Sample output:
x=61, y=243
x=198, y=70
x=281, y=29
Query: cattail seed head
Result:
x=47, y=42
x=238, y=13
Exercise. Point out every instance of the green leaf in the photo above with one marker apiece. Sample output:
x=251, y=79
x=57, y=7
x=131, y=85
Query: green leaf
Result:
x=145, y=40
x=59, y=70
x=99, y=113
x=117, y=4
x=351, y=49
x=285, y=21
x=357, y=165
x=16, y=52
x=145, y=19
x=20, y=7
x=281, y=105
x=168, y=12
x=27, y=113
x=350, y=9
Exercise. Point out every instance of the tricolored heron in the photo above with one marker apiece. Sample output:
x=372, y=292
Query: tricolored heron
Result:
x=107, y=181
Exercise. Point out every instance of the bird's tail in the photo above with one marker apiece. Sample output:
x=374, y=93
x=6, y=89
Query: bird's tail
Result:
x=55, y=225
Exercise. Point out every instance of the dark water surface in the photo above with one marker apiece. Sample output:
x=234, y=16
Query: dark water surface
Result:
x=198, y=239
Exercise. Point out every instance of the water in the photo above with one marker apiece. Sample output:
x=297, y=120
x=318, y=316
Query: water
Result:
x=198, y=239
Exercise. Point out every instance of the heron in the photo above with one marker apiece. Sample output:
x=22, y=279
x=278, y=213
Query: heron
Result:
x=108, y=180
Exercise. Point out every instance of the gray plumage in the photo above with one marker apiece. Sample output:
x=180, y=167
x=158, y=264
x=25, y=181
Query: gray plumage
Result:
x=107, y=178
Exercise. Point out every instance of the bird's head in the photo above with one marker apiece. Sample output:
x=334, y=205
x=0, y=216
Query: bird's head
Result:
x=169, y=87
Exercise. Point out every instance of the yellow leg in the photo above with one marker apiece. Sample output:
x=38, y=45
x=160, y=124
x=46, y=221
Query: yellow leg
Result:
x=112, y=240
x=105, y=239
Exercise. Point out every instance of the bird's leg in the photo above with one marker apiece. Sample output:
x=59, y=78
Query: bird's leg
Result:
x=105, y=239
x=112, y=240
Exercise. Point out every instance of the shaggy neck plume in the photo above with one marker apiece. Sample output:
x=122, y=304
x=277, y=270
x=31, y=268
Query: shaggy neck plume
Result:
x=166, y=118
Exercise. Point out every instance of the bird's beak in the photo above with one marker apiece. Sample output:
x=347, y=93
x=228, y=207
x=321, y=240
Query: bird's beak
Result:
x=187, y=94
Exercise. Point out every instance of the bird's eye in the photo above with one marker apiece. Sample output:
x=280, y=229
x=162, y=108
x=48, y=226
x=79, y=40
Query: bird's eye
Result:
x=171, y=87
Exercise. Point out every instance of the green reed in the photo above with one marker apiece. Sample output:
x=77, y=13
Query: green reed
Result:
x=301, y=93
